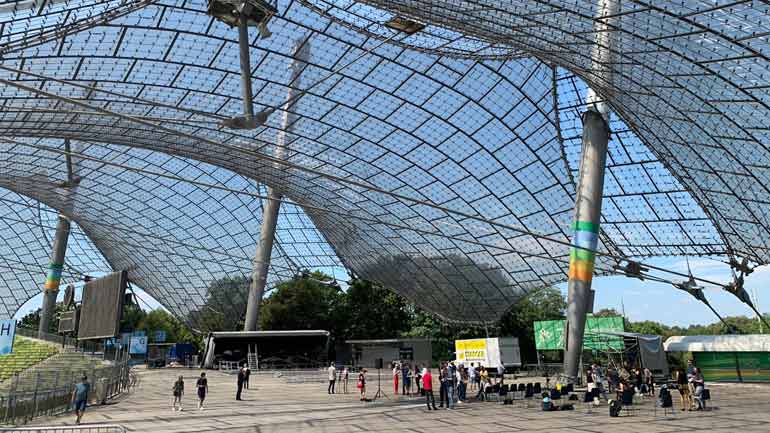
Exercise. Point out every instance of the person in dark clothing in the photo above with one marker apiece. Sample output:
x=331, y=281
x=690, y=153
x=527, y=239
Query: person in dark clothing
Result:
x=241, y=380
x=203, y=389
x=442, y=376
x=246, y=374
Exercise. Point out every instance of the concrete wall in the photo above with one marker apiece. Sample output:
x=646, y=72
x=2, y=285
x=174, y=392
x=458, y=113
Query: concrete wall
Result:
x=369, y=352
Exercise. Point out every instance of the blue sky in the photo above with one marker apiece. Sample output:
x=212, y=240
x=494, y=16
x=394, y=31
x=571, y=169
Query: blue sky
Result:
x=642, y=300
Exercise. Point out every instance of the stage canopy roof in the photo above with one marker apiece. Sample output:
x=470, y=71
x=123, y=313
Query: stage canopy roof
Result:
x=441, y=164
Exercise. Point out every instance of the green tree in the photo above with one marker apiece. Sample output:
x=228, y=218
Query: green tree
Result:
x=32, y=319
x=375, y=312
x=176, y=331
x=225, y=305
x=305, y=302
x=546, y=303
x=607, y=312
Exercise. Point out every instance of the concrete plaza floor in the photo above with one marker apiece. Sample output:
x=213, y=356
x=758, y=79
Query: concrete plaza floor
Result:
x=272, y=405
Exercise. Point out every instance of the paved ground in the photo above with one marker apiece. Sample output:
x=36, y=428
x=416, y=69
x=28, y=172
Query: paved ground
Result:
x=275, y=406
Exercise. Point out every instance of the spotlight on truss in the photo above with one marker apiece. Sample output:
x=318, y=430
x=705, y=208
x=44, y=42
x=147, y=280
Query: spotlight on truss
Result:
x=632, y=270
x=403, y=24
x=257, y=13
x=246, y=122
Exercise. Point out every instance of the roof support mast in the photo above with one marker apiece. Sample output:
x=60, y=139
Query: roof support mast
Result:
x=272, y=205
x=58, y=252
x=588, y=202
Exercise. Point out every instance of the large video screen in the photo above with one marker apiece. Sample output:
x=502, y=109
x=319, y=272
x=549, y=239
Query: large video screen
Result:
x=102, y=306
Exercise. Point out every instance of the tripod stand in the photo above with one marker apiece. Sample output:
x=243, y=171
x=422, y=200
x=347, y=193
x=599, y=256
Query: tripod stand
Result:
x=380, y=393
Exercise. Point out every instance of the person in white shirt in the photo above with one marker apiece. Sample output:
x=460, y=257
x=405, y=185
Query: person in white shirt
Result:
x=332, y=378
x=472, y=376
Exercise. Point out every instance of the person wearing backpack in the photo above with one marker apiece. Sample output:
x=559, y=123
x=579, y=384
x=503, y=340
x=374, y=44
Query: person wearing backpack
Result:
x=178, y=391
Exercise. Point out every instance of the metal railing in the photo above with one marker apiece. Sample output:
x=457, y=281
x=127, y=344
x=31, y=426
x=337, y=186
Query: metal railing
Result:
x=45, y=392
x=91, y=428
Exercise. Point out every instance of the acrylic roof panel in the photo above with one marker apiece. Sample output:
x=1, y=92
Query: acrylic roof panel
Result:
x=420, y=162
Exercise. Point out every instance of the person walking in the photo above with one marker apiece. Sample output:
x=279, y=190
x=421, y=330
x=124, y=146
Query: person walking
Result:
x=178, y=391
x=362, y=384
x=203, y=388
x=246, y=375
x=241, y=379
x=427, y=387
x=332, y=378
x=345, y=377
x=80, y=398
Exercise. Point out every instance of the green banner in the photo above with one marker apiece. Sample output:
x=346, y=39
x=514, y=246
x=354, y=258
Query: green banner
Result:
x=734, y=366
x=549, y=334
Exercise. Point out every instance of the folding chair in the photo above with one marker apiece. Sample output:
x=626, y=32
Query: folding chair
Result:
x=503, y=393
x=627, y=398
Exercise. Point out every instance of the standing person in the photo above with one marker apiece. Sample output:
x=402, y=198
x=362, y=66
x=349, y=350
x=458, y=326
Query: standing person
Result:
x=178, y=390
x=462, y=383
x=332, y=378
x=472, y=377
x=405, y=385
x=649, y=381
x=484, y=375
x=80, y=397
x=684, y=389
x=590, y=384
x=451, y=385
x=396, y=372
x=418, y=379
x=246, y=375
x=203, y=388
x=241, y=379
x=501, y=371
x=362, y=384
x=690, y=374
x=427, y=387
x=442, y=376
x=345, y=377
x=700, y=385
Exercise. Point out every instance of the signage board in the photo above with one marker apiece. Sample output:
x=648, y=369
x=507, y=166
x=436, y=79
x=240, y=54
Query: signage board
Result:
x=7, y=333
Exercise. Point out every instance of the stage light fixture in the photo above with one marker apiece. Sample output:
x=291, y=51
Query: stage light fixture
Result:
x=405, y=25
x=257, y=13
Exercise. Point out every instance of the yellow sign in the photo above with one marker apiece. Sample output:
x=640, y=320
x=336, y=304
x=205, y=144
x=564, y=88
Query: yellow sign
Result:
x=471, y=350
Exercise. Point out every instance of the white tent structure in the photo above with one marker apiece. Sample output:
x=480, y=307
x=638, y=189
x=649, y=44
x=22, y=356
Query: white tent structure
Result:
x=718, y=343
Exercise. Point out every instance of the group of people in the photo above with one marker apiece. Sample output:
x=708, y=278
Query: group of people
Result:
x=691, y=387
x=456, y=380
x=338, y=375
x=201, y=385
x=640, y=381
x=409, y=378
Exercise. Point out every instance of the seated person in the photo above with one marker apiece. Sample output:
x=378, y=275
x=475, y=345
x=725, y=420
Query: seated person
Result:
x=484, y=387
x=547, y=403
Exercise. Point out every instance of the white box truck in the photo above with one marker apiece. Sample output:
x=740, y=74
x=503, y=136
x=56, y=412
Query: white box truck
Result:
x=489, y=352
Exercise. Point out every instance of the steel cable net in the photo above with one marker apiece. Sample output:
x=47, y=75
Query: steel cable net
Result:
x=422, y=161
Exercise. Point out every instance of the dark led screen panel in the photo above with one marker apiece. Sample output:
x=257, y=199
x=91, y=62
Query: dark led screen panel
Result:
x=102, y=306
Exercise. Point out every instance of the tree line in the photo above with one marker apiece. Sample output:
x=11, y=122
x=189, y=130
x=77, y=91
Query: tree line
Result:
x=367, y=310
